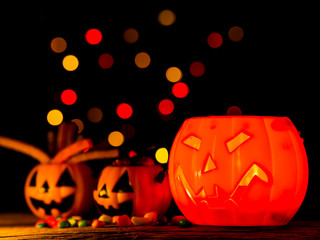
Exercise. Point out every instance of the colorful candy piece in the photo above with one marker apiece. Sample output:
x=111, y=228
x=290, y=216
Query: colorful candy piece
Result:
x=96, y=223
x=176, y=219
x=138, y=221
x=161, y=221
x=73, y=222
x=41, y=224
x=83, y=223
x=184, y=223
x=51, y=221
x=76, y=218
x=115, y=219
x=123, y=220
x=106, y=218
x=152, y=216
x=63, y=224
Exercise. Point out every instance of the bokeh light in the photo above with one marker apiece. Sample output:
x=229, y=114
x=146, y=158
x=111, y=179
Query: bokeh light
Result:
x=54, y=117
x=234, y=110
x=105, y=61
x=166, y=107
x=131, y=35
x=93, y=36
x=70, y=62
x=166, y=17
x=173, y=74
x=162, y=155
x=58, y=45
x=235, y=34
x=124, y=110
x=196, y=69
x=79, y=124
x=95, y=115
x=180, y=90
x=68, y=97
x=142, y=60
x=128, y=130
x=215, y=40
x=115, y=138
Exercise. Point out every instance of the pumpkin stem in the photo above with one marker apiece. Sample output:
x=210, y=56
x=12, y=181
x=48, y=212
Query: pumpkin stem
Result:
x=94, y=155
x=25, y=148
x=71, y=150
x=66, y=135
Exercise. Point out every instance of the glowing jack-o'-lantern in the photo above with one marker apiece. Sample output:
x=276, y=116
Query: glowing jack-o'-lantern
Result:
x=132, y=190
x=238, y=170
x=61, y=186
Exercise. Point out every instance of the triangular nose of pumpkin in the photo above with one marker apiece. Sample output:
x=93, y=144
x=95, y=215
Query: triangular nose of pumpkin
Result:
x=209, y=164
x=45, y=187
x=103, y=192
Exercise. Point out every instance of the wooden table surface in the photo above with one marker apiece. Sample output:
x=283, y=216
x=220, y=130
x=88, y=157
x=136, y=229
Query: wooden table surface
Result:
x=21, y=226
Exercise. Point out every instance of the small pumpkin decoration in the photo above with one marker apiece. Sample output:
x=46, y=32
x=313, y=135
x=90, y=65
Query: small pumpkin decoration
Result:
x=61, y=186
x=238, y=170
x=132, y=190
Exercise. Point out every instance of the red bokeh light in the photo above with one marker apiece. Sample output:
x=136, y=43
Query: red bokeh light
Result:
x=215, y=40
x=105, y=61
x=166, y=107
x=196, y=69
x=180, y=90
x=93, y=36
x=68, y=97
x=124, y=110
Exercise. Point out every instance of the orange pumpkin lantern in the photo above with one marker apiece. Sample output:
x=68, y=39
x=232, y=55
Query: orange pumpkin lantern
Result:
x=61, y=186
x=132, y=190
x=238, y=170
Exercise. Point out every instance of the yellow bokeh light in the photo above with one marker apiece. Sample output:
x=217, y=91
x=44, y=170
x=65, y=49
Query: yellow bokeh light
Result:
x=142, y=60
x=162, y=155
x=115, y=139
x=166, y=17
x=94, y=115
x=131, y=35
x=54, y=117
x=173, y=74
x=70, y=62
x=58, y=45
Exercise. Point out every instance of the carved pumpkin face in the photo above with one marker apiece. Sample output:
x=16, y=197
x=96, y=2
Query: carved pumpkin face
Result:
x=59, y=189
x=238, y=170
x=132, y=190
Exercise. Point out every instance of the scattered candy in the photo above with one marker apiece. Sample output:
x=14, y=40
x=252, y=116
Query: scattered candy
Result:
x=161, y=221
x=138, y=221
x=51, y=221
x=152, y=216
x=176, y=219
x=184, y=223
x=83, y=223
x=63, y=224
x=115, y=219
x=106, y=218
x=123, y=220
x=96, y=223
x=73, y=222
x=41, y=224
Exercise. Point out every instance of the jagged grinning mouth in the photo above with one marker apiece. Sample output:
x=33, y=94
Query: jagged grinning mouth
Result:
x=124, y=208
x=64, y=206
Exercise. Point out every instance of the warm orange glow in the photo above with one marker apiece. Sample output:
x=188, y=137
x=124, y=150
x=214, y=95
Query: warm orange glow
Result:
x=70, y=62
x=173, y=74
x=142, y=60
x=115, y=139
x=55, y=117
x=166, y=17
x=58, y=45
x=238, y=170
x=131, y=35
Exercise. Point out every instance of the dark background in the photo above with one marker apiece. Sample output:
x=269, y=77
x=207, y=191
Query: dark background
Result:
x=269, y=72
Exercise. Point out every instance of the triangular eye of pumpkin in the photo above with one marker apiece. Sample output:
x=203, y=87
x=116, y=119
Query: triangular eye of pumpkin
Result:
x=65, y=179
x=124, y=184
x=33, y=180
x=103, y=192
